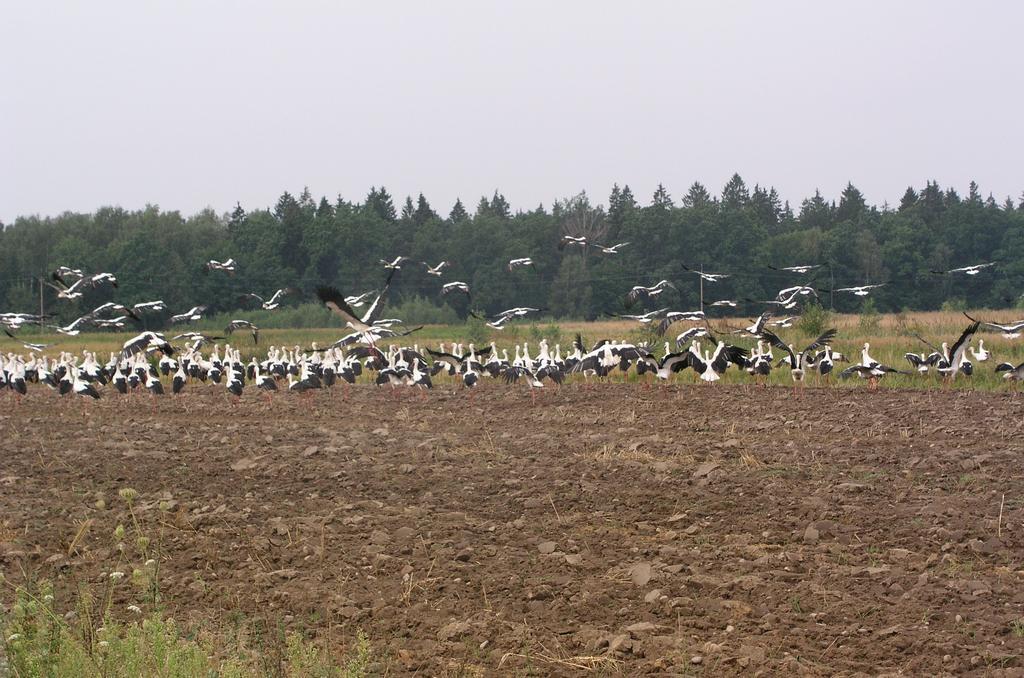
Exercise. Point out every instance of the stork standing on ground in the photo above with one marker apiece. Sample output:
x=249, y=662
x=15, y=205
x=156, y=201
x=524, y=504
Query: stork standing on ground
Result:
x=798, y=361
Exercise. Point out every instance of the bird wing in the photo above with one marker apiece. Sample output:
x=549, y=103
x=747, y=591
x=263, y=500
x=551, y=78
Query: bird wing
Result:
x=376, y=305
x=826, y=338
x=956, y=351
x=672, y=361
x=1011, y=327
x=334, y=300
x=553, y=372
x=922, y=340
x=446, y=358
x=761, y=320
x=513, y=372
x=590, y=362
x=774, y=340
x=731, y=354
x=854, y=369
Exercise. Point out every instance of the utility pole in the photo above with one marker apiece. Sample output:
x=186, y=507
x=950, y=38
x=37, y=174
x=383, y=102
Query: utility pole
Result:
x=42, y=311
x=831, y=288
x=702, y=288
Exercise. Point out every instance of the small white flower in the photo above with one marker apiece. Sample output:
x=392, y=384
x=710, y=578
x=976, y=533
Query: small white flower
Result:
x=135, y=608
x=103, y=644
x=13, y=637
x=116, y=576
x=48, y=598
x=150, y=562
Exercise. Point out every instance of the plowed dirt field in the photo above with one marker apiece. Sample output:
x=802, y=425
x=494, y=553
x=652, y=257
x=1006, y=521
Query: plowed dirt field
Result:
x=617, y=529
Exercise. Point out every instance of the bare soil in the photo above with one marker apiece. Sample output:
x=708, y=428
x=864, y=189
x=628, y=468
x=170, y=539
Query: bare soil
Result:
x=617, y=529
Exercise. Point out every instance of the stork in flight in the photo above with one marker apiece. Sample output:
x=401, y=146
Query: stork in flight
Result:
x=364, y=325
x=572, y=240
x=455, y=286
x=799, y=270
x=639, y=291
x=395, y=263
x=1009, y=330
x=274, y=301
x=227, y=266
x=642, y=318
x=860, y=290
x=191, y=315
x=707, y=277
x=243, y=325
x=435, y=270
x=76, y=289
x=969, y=270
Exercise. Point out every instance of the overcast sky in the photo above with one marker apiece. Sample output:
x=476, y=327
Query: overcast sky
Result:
x=194, y=104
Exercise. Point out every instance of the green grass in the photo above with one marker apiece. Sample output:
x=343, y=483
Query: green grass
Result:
x=890, y=336
x=39, y=642
x=89, y=636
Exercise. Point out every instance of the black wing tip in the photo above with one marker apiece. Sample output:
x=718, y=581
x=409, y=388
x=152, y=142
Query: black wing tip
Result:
x=327, y=293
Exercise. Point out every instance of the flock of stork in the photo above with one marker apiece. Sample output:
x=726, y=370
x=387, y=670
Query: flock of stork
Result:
x=145, y=360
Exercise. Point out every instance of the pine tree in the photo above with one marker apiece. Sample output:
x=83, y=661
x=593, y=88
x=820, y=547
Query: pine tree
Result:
x=909, y=199
x=851, y=204
x=423, y=212
x=500, y=206
x=237, y=214
x=379, y=201
x=324, y=209
x=974, y=194
x=697, y=197
x=932, y=200
x=735, y=194
x=483, y=208
x=620, y=203
x=408, y=209
x=290, y=216
x=458, y=212
x=816, y=212
x=766, y=206
x=627, y=196
x=661, y=198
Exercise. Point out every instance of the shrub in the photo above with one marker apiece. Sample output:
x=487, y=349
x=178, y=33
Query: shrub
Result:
x=477, y=331
x=647, y=335
x=904, y=326
x=869, y=321
x=954, y=305
x=814, y=319
x=551, y=332
x=421, y=311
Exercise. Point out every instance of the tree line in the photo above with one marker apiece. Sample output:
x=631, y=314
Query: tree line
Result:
x=303, y=242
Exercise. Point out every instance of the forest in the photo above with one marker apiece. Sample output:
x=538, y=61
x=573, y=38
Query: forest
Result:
x=303, y=242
